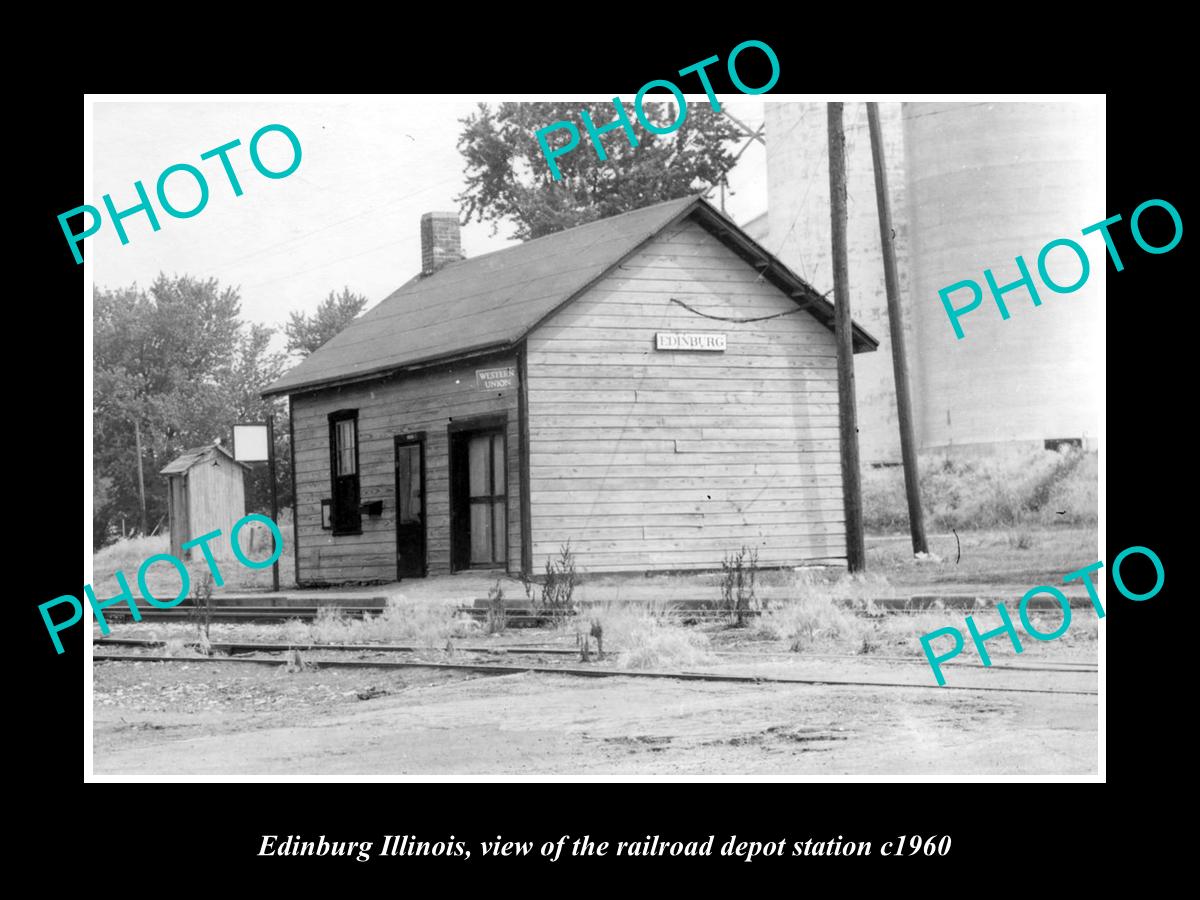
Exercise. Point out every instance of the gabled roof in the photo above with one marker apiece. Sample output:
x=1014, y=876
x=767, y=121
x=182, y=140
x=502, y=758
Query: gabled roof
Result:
x=491, y=302
x=189, y=458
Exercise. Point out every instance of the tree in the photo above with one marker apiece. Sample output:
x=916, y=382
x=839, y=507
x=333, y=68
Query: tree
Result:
x=306, y=333
x=508, y=179
x=176, y=364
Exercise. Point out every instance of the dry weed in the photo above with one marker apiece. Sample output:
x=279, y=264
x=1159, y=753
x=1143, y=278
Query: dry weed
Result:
x=647, y=636
x=419, y=622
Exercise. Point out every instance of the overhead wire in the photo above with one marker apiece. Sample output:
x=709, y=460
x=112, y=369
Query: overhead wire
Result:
x=240, y=259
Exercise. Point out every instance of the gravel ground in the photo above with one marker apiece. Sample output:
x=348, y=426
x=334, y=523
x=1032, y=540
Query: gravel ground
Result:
x=222, y=718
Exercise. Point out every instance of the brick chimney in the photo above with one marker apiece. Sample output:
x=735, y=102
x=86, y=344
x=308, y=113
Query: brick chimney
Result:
x=440, y=241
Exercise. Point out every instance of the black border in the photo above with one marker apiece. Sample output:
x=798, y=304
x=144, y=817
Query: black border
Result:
x=1046, y=835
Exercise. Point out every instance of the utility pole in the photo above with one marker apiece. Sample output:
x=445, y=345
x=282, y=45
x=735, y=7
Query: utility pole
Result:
x=856, y=555
x=137, y=441
x=908, y=444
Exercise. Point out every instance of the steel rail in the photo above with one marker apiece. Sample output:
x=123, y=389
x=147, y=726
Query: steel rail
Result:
x=581, y=673
x=268, y=647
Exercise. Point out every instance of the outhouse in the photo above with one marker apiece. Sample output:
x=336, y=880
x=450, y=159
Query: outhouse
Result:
x=206, y=491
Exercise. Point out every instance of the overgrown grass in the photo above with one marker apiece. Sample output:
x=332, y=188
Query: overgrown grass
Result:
x=861, y=586
x=649, y=636
x=815, y=622
x=810, y=617
x=419, y=622
x=1043, y=487
x=127, y=555
x=809, y=622
x=1021, y=539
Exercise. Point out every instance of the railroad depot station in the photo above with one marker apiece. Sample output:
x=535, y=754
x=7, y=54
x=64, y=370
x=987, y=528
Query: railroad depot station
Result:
x=654, y=387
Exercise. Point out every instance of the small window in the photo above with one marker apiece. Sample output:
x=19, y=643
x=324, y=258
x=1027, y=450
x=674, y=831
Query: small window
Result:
x=343, y=450
x=1063, y=443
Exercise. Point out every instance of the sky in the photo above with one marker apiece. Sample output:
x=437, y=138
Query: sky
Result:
x=347, y=217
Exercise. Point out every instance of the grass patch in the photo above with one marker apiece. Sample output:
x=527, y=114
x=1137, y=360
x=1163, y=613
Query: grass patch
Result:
x=810, y=622
x=994, y=562
x=419, y=622
x=1020, y=540
x=1045, y=487
x=648, y=636
x=812, y=616
x=127, y=555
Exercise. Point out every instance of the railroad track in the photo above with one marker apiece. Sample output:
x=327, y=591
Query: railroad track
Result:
x=248, y=614
x=535, y=650
x=514, y=618
x=575, y=672
x=254, y=647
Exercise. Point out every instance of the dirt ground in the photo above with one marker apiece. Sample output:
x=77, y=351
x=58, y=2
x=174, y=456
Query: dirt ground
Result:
x=191, y=717
x=224, y=718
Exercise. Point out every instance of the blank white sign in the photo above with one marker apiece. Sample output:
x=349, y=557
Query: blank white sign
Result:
x=250, y=443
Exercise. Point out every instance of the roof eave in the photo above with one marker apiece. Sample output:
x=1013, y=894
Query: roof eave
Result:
x=771, y=268
x=385, y=371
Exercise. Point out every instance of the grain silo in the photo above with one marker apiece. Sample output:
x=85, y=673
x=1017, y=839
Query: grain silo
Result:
x=988, y=182
x=798, y=233
x=973, y=185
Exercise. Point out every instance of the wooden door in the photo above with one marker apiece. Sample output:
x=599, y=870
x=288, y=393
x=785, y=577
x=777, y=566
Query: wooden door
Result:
x=178, y=514
x=479, y=503
x=410, y=506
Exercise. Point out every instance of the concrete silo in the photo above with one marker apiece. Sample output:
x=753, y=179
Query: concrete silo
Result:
x=798, y=233
x=973, y=186
x=988, y=182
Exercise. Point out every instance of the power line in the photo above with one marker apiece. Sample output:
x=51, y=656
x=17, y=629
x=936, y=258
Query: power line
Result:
x=331, y=262
x=804, y=199
x=239, y=259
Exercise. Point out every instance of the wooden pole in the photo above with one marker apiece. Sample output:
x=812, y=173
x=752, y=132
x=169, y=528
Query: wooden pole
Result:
x=137, y=440
x=856, y=555
x=274, y=497
x=908, y=443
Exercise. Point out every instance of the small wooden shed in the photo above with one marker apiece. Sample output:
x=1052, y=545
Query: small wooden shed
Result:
x=206, y=491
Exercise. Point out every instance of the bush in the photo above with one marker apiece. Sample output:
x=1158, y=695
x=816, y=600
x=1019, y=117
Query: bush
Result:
x=646, y=636
x=201, y=614
x=419, y=622
x=556, y=599
x=738, y=573
x=987, y=492
x=1020, y=540
x=1074, y=498
x=811, y=620
x=496, y=616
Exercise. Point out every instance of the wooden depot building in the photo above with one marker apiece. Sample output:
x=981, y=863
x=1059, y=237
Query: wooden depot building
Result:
x=654, y=387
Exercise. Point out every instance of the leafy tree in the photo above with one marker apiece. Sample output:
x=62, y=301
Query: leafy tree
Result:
x=508, y=179
x=306, y=333
x=176, y=366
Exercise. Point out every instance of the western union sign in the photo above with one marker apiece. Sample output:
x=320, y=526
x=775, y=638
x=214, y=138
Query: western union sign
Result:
x=496, y=379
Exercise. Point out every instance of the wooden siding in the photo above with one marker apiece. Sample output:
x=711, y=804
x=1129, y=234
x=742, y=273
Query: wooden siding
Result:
x=216, y=499
x=649, y=459
x=423, y=401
